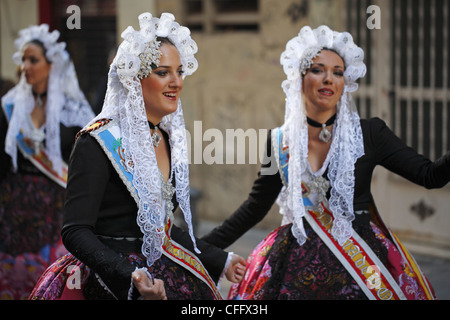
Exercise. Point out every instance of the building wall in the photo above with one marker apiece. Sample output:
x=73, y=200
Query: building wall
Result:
x=238, y=86
x=14, y=15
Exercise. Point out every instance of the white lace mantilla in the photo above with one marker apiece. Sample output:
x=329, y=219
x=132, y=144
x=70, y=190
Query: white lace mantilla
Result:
x=65, y=104
x=347, y=134
x=124, y=102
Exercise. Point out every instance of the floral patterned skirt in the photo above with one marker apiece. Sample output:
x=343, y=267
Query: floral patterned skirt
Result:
x=280, y=269
x=31, y=209
x=70, y=279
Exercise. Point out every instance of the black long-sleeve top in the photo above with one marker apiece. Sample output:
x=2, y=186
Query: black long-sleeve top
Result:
x=67, y=137
x=381, y=147
x=99, y=204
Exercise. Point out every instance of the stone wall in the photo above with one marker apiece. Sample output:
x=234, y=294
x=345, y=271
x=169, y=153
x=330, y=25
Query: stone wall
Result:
x=238, y=86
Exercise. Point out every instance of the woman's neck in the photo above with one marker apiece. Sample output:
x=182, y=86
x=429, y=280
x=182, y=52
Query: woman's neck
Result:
x=321, y=116
x=154, y=120
x=39, y=88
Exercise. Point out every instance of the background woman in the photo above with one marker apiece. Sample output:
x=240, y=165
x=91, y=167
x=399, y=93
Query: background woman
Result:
x=39, y=120
x=128, y=171
x=332, y=243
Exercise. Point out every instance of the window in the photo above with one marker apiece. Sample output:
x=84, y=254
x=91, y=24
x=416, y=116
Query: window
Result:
x=363, y=37
x=418, y=46
x=91, y=45
x=212, y=16
x=420, y=99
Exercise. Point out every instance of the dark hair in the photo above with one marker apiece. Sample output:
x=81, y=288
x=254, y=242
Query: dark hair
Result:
x=165, y=40
x=332, y=50
x=40, y=44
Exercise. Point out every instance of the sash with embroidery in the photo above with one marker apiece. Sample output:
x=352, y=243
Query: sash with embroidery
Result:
x=355, y=255
x=39, y=159
x=108, y=135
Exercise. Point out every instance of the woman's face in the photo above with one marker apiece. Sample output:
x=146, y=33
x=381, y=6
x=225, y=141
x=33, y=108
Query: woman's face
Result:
x=162, y=88
x=35, y=67
x=323, y=83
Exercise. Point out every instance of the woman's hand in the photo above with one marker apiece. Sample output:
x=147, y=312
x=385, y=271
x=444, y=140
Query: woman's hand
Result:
x=150, y=289
x=236, y=270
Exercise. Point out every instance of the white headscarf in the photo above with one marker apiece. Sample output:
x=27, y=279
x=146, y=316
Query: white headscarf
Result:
x=296, y=59
x=124, y=102
x=65, y=104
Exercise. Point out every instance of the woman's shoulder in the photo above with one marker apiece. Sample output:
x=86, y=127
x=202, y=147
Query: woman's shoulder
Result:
x=374, y=122
x=87, y=147
x=93, y=127
x=373, y=126
x=377, y=132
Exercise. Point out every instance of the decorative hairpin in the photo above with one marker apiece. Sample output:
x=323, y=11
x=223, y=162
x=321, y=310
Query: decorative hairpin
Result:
x=307, y=56
x=149, y=58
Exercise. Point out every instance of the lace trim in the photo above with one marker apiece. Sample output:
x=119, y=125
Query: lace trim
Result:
x=227, y=264
x=65, y=104
x=131, y=239
x=124, y=102
x=127, y=183
x=99, y=279
x=347, y=133
x=132, y=287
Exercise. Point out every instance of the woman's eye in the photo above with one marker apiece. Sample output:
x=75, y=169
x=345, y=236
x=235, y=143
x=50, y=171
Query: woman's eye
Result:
x=339, y=73
x=161, y=73
x=316, y=70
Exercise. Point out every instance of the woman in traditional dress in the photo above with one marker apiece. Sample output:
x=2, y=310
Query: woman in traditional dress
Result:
x=127, y=173
x=332, y=243
x=39, y=119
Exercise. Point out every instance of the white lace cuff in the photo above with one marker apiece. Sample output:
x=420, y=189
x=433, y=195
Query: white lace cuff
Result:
x=130, y=291
x=227, y=264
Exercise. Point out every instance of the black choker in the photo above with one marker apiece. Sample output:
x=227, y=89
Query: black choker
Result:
x=325, y=134
x=316, y=124
x=156, y=138
x=38, y=97
x=152, y=126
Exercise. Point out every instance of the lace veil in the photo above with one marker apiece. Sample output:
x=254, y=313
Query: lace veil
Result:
x=124, y=103
x=296, y=59
x=66, y=103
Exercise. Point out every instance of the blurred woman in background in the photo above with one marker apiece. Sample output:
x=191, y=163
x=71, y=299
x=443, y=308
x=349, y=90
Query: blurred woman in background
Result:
x=39, y=119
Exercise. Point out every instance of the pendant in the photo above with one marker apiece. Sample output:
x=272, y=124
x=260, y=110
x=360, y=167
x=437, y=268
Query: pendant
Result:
x=325, y=134
x=38, y=102
x=320, y=185
x=156, y=138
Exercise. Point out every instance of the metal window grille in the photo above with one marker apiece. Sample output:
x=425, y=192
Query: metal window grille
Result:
x=420, y=100
x=419, y=70
x=363, y=37
x=212, y=16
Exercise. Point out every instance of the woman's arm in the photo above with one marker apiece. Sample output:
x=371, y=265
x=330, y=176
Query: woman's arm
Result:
x=396, y=156
x=5, y=160
x=264, y=192
x=213, y=258
x=89, y=173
